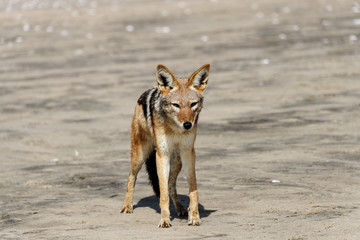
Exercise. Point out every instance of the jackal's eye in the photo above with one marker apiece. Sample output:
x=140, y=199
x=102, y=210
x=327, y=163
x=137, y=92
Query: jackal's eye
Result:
x=176, y=105
x=193, y=104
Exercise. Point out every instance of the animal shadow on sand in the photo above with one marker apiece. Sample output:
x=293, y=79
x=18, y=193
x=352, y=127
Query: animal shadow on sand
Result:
x=153, y=202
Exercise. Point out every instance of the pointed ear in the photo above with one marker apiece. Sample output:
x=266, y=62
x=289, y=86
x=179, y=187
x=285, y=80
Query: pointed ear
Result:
x=166, y=81
x=199, y=79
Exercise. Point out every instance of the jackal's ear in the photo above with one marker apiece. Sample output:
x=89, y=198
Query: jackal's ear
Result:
x=199, y=79
x=165, y=79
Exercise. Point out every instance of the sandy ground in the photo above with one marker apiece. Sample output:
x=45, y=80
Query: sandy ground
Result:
x=278, y=153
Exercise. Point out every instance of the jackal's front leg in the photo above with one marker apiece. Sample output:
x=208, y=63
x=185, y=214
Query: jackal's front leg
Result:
x=188, y=157
x=162, y=167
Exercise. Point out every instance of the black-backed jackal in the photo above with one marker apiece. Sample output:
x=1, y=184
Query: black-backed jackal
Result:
x=163, y=133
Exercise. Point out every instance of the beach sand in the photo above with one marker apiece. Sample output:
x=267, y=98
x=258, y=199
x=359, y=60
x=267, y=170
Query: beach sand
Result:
x=278, y=154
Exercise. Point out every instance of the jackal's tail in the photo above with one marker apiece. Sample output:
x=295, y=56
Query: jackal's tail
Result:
x=151, y=169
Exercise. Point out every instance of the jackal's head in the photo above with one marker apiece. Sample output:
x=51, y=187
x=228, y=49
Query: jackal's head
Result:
x=182, y=99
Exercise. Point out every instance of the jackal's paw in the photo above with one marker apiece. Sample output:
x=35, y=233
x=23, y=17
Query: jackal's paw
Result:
x=194, y=221
x=181, y=211
x=127, y=208
x=164, y=223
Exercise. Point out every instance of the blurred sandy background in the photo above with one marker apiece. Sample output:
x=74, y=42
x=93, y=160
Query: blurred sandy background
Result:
x=278, y=141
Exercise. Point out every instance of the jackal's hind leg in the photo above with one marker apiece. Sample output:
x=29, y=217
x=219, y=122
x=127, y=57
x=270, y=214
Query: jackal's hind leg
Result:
x=139, y=153
x=175, y=168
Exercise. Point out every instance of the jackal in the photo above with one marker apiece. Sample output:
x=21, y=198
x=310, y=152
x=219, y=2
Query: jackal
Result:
x=163, y=132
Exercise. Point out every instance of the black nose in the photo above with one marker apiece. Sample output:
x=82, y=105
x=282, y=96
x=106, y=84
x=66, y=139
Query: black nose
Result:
x=187, y=125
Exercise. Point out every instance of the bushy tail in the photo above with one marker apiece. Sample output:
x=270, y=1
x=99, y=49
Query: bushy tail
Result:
x=151, y=169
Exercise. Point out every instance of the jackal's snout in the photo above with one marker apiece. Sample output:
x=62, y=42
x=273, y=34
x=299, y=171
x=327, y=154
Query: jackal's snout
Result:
x=187, y=125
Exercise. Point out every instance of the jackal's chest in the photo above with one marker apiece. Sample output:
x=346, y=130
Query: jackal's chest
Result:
x=172, y=142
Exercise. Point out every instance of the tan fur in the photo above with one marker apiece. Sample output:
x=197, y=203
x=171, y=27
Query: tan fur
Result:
x=174, y=144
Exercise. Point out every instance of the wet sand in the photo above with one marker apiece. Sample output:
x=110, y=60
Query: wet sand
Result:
x=278, y=153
